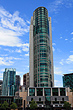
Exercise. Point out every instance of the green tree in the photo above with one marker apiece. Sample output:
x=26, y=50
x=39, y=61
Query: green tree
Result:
x=0, y=105
x=13, y=106
x=33, y=105
x=72, y=90
x=67, y=106
x=5, y=105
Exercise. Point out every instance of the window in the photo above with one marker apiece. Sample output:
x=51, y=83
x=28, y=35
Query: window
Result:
x=31, y=99
x=39, y=99
x=62, y=91
x=47, y=92
x=39, y=92
x=62, y=99
x=31, y=92
x=55, y=99
x=55, y=91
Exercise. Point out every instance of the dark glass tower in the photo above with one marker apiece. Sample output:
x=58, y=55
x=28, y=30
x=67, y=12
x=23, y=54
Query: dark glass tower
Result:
x=68, y=80
x=9, y=82
x=17, y=82
x=41, y=58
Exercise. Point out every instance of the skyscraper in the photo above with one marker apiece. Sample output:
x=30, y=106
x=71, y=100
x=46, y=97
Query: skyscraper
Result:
x=9, y=77
x=41, y=56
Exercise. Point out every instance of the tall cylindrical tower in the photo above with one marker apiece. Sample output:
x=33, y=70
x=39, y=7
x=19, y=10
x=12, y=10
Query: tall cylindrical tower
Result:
x=41, y=58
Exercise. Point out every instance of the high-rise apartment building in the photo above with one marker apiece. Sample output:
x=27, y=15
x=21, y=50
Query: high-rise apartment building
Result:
x=9, y=76
x=41, y=56
x=17, y=82
x=68, y=80
x=26, y=80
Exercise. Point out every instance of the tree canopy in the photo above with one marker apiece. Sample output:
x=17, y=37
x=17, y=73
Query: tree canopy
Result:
x=5, y=105
x=33, y=105
x=67, y=105
x=72, y=90
x=13, y=105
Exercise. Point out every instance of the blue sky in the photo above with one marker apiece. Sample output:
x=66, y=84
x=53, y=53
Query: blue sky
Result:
x=15, y=16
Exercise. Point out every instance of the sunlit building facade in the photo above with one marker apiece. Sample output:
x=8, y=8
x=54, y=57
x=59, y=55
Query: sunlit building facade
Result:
x=41, y=56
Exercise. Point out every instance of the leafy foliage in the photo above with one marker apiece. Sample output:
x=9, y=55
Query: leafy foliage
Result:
x=0, y=105
x=5, y=105
x=67, y=105
x=33, y=105
x=13, y=105
x=72, y=90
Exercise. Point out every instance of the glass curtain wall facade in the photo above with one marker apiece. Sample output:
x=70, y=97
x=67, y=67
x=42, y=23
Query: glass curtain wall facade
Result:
x=41, y=66
x=68, y=80
x=9, y=82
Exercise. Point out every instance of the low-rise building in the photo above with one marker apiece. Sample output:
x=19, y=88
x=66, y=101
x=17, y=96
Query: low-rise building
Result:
x=68, y=80
x=47, y=97
x=70, y=96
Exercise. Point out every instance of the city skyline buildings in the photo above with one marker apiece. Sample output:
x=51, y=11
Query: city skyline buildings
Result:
x=41, y=56
x=12, y=29
x=17, y=82
x=68, y=80
x=9, y=82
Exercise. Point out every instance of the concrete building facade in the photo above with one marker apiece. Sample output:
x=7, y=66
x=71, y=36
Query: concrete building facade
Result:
x=41, y=55
x=47, y=97
x=26, y=80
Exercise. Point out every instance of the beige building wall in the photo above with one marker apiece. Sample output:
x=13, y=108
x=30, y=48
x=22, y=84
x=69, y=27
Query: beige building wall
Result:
x=24, y=96
x=70, y=96
x=50, y=31
x=31, y=59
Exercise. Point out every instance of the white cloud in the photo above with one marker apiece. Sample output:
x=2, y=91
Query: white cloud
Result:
x=62, y=61
x=56, y=5
x=27, y=54
x=9, y=50
x=8, y=60
x=60, y=37
x=2, y=70
x=18, y=50
x=27, y=66
x=53, y=43
x=18, y=72
x=71, y=32
x=70, y=59
x=4, y=55
x=71, y=70
x=11, y=27
x=1, y=76
x=71, y=51
x=57, y=83
x=53, y=49
x=57, y=71
x=66, y=39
